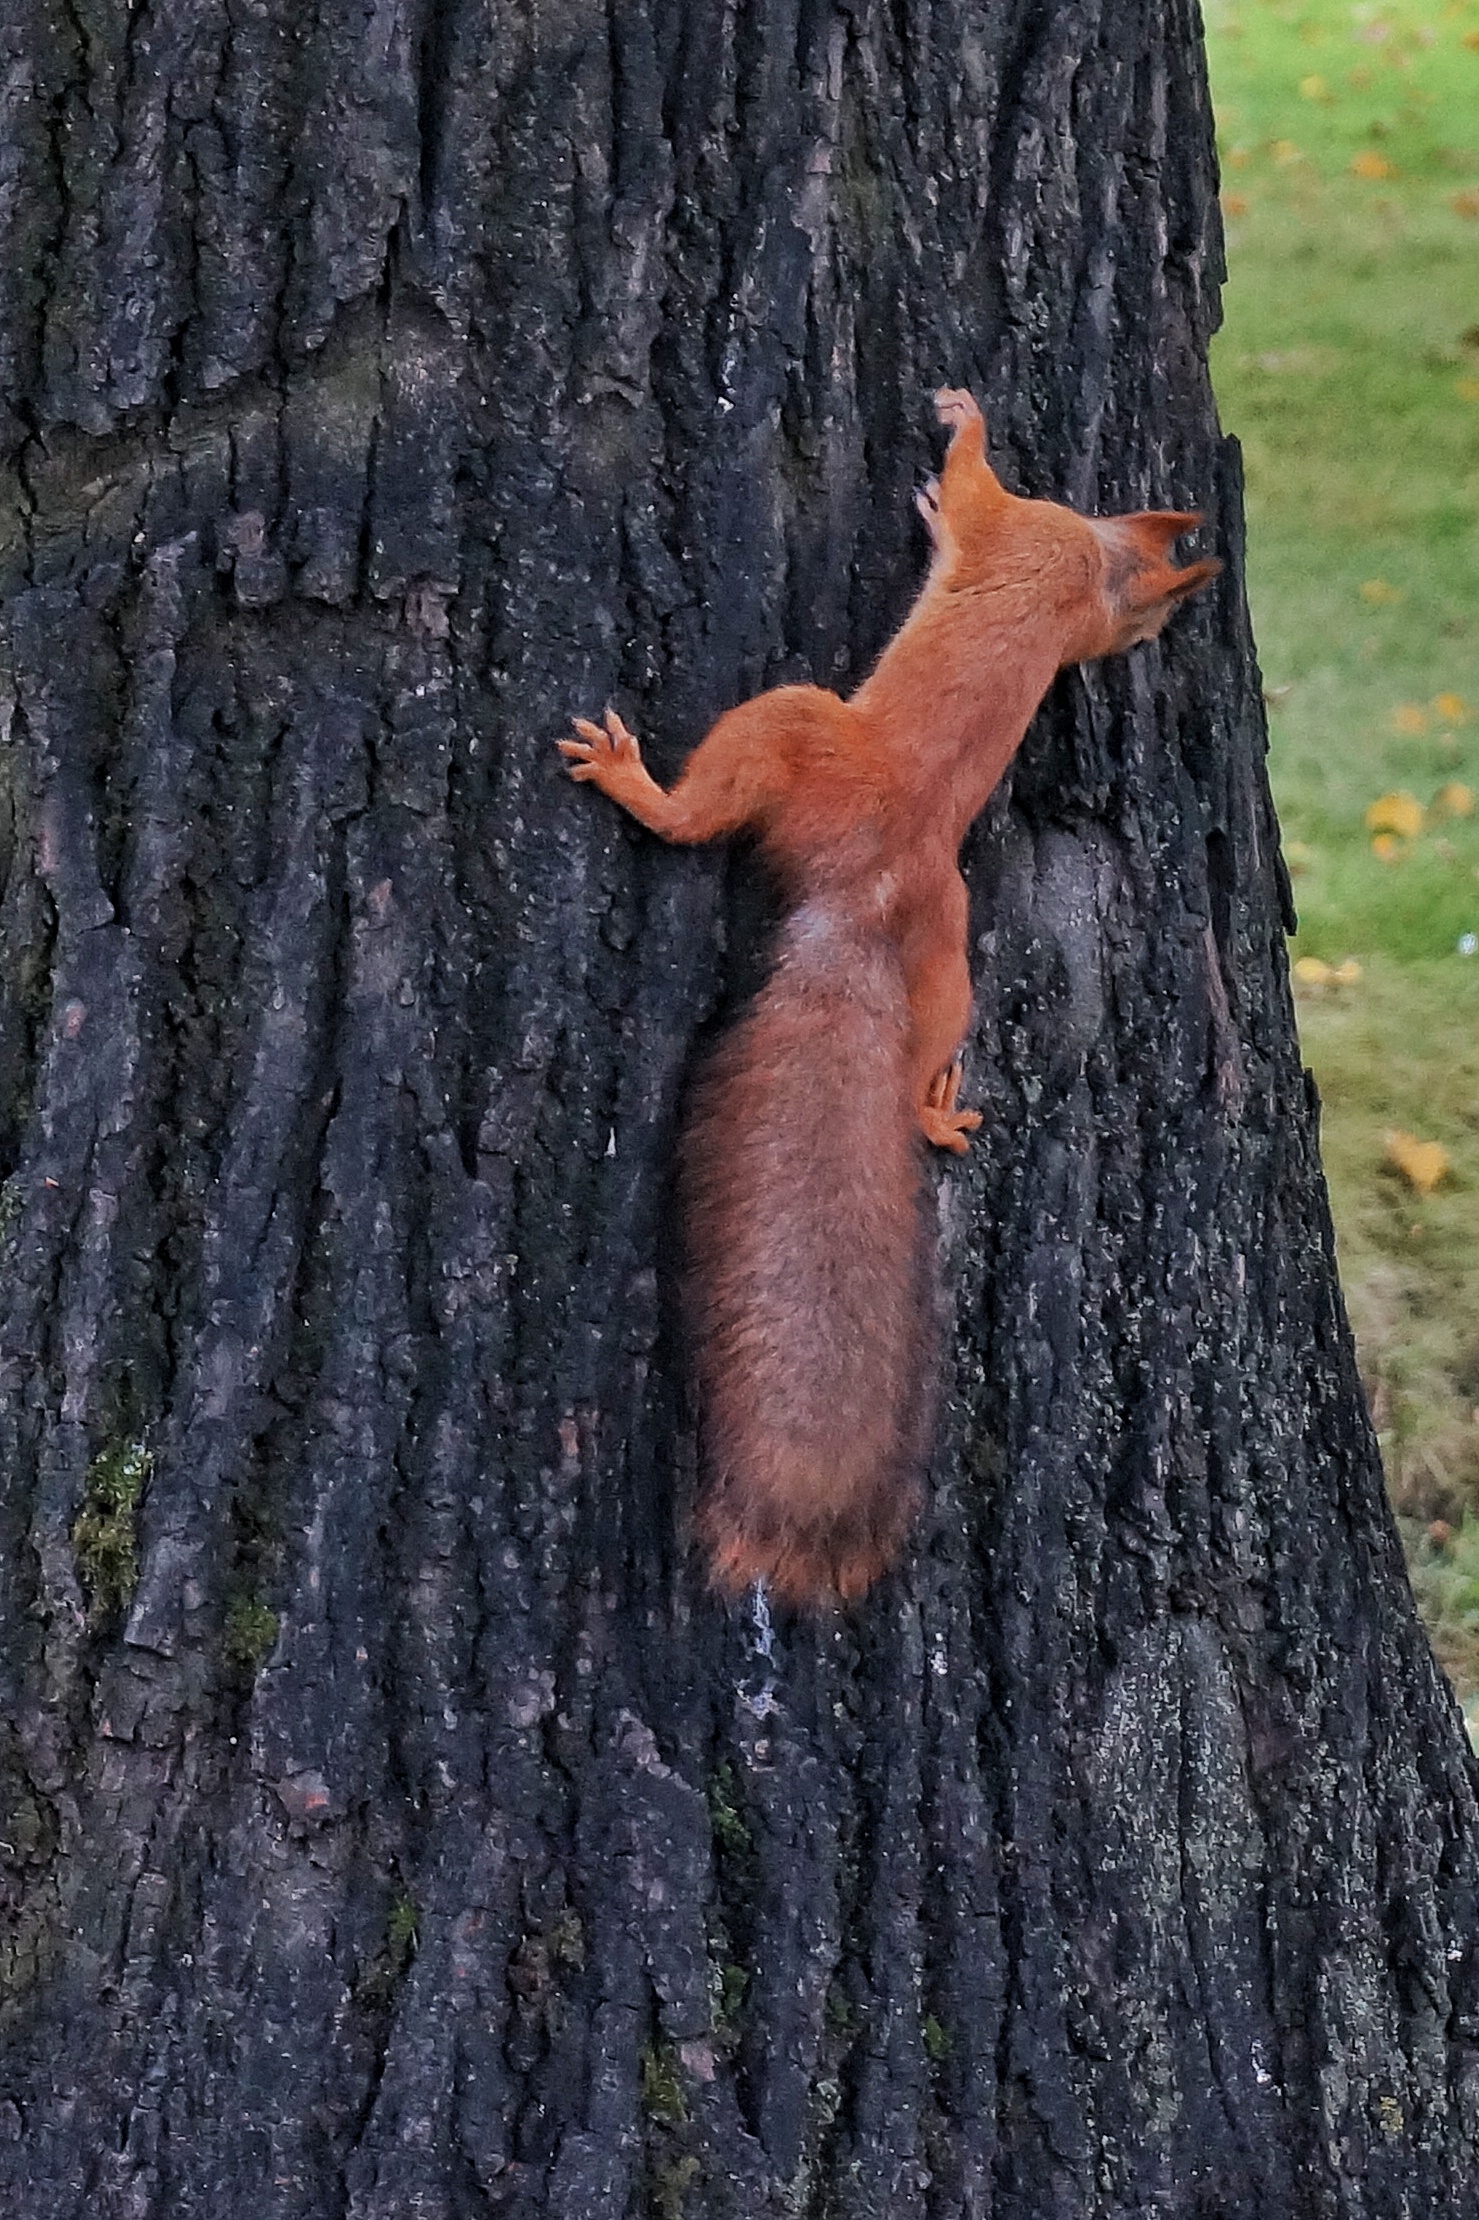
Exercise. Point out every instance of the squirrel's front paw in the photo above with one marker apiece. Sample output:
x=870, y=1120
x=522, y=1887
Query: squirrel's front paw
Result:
x=939, y=1120
x=956, y=408
x=607, y=753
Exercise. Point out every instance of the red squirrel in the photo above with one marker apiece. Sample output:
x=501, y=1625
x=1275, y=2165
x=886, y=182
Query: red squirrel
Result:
x=809, y=1258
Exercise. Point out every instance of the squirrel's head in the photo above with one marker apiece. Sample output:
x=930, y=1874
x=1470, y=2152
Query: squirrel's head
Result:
x=1140, y=585
x=1100, y=583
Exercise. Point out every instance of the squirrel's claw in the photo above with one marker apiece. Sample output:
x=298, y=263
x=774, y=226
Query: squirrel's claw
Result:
x=927, y=501
x=622, y=741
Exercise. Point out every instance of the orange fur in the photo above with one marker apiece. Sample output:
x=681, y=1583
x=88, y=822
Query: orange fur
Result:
x=808, y=1258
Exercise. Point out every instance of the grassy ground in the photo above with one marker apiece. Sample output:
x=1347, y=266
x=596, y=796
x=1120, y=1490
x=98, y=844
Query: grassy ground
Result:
x=1349, y=367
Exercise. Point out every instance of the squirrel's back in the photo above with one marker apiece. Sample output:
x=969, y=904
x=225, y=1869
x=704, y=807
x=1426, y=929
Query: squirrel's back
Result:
x=810, y=1276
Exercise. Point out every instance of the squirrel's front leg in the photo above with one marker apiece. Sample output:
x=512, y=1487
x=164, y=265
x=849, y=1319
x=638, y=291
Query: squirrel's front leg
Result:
x=607, y=755
x=723, y=785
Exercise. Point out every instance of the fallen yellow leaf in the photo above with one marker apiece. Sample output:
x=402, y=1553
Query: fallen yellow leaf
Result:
x=1465, y=203
x=1422, y=1163
x=1313, y=971
x=1235, y=204
x=1371, y=164
x=1455, y=799
x=1286, y=150
x=1400, y=813
x=1452, y=708
x=1470, y=38
x=1377, y=589
x=1298, y=855
x=1410, y=716
x=1388, y=848
x=1313, y=88
x=1467, y=389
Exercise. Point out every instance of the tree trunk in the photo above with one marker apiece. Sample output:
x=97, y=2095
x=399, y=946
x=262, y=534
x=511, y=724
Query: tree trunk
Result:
x=391, y=1823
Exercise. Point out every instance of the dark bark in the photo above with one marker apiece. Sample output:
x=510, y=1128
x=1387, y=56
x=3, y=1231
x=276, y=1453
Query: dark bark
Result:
x=392, y=1826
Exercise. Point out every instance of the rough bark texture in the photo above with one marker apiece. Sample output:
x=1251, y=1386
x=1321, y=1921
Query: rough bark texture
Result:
x=391, y=1824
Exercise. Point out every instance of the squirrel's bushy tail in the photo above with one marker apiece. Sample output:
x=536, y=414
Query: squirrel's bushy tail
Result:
x=811, y=1294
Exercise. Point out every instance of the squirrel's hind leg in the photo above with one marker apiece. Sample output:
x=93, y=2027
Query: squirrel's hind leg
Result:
x=939, y=985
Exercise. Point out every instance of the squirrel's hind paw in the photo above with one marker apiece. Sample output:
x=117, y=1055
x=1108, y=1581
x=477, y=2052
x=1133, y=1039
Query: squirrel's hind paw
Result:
x=940, y=1122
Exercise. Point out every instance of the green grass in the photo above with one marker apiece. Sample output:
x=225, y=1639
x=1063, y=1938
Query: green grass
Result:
x=1445, y=1578
x=1349, y=368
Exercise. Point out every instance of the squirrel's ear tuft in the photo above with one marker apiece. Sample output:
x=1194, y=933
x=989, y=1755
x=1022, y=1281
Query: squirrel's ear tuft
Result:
x=1194, y=577
x=1147, y=597
x=1154, y=530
